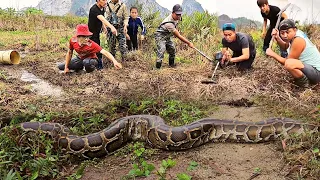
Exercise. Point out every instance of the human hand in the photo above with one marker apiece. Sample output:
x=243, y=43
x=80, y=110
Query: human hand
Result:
x=125, y=29
x=227, y=55
x=263, y=35
x=270, y=52
x=275, y=32
x=117, y=65
x=190, y=44
x=114, y=31
x=66, y=70
x=127, y=37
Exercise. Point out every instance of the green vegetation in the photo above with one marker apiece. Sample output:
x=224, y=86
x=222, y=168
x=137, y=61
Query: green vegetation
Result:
x=33, y=155
x=303, y=151
x=34, y=20
x=143, y=169
x=3, y=75
x=27, y=157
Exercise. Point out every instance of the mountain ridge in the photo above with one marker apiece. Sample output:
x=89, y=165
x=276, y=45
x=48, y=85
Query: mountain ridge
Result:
x=81, y=8
x=78, y=7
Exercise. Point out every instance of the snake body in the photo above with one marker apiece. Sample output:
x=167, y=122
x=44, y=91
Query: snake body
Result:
x=154, y=131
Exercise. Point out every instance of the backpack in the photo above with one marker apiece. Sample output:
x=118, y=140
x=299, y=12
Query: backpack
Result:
x=114, y=18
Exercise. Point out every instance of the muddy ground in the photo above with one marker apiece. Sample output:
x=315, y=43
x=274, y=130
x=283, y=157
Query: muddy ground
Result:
x=267, y=87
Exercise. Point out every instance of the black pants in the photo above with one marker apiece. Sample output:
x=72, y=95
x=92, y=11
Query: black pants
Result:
x=247, y=64
x=96, y=39
x=133, y=42
x=77, y=64
x=267, y=39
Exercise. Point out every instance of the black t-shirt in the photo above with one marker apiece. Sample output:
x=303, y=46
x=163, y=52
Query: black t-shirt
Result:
x=242, y=41
x=272, y=16
x=94, y=23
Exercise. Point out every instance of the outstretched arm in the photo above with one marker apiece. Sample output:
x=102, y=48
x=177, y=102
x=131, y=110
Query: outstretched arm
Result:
x=107, y=23
x=116, y=64
x=183, y=39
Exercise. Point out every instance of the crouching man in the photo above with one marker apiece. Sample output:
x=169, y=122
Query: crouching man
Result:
x=303, y=61
x=86, y=50
x=241, y=44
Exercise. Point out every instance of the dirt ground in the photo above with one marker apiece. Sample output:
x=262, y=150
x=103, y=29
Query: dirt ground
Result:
x=219, y=161
x=50, y=91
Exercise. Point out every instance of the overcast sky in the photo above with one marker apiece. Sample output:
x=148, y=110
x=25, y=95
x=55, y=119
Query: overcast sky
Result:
x=233, y=8
x=248, y=8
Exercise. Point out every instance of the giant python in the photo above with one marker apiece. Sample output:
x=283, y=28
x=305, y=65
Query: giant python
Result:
x=154, y=131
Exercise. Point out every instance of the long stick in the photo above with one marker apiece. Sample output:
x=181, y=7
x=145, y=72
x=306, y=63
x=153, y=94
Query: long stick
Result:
x=203, y=54
x=215, y=69
x=278, y=22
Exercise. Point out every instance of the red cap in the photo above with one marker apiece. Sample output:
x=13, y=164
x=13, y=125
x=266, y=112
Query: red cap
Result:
x=83, y=30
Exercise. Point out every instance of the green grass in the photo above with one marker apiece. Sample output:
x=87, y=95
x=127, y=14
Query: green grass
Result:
x=37, y=157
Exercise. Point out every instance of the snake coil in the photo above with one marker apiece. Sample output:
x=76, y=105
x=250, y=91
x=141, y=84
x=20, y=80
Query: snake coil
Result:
x=156, y=133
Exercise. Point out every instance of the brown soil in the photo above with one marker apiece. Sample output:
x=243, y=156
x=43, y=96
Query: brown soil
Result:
x=216, y=161
x=89, y=92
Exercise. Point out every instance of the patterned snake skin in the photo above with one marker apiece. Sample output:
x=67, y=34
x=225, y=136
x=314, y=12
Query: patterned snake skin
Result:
x=156, y=133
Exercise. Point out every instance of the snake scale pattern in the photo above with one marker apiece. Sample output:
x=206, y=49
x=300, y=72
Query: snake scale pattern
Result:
x=154, y=131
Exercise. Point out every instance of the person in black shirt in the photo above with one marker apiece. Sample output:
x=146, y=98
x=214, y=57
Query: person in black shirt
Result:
x=96, y=22
x=242, y=46
x=269, y=12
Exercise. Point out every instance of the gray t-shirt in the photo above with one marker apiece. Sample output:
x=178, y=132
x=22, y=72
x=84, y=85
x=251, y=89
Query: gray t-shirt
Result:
x=242, y=41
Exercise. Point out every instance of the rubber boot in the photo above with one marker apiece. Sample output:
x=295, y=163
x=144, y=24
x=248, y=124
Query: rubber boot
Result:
x=158, y=65
x=171, y=62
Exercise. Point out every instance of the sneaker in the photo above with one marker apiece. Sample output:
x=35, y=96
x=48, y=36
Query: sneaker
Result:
x=302, y=82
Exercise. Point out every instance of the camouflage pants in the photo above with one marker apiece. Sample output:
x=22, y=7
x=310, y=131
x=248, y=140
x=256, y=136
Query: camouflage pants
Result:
x=164, y=42
x=112, y=42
